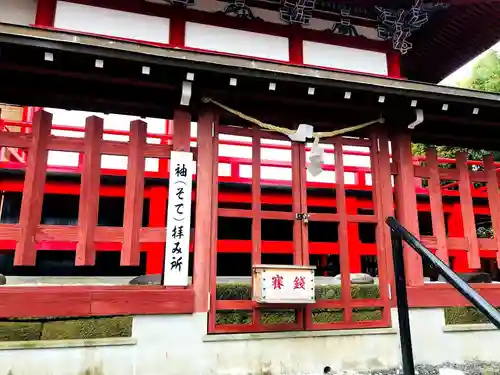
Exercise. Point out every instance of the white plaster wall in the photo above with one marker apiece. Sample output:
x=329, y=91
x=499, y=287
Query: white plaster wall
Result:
x=18, y=12
x=84, y=18
x=107, y=360
x=274, y=17
x=345, y=58
x=178, y=345
x=238, y=42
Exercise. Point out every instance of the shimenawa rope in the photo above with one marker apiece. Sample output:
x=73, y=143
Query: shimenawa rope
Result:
x=287, y=131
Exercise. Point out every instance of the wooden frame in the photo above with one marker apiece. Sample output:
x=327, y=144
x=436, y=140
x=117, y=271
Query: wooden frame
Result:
x=88, y=300
x=301, y=252
x=88, y=239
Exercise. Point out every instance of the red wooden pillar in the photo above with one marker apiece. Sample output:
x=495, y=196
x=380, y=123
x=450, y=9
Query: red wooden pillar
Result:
x=456, y=229
x=493, y=200
x=340, y=196
x=406, y=204
x=203, y=225
x=436, y=202
x=467, y=206
x=34, y=182
x=353, y=236
x=89, y=192
x=134, y=195
x=45, y=13
x=181, y=130
x=394, y=64
x=157, y=217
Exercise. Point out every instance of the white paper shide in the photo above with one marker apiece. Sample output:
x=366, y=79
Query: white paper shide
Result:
x=178, y=219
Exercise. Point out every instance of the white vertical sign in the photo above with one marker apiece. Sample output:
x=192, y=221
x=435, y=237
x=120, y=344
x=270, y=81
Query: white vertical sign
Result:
x=178, y=219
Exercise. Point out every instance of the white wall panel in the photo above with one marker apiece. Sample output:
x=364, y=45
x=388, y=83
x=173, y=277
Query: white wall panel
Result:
x=111, y=22
x=18, y=12
x=245, y=43
x=345, y=58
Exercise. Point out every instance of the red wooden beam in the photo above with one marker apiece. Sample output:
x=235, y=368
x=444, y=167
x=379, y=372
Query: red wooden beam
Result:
x=345, y=294
x=406, y=204
x=383, y=202
x=157, y=218
x=181, y=130
x=213, y=224
x=89, y=195
x=76, y=301
x=468, y=212
x=45, y=13
x=256, y=211
x=494, y=200
x=34, y=182
x=134, y=194
x=437, y=214
x=203, y=224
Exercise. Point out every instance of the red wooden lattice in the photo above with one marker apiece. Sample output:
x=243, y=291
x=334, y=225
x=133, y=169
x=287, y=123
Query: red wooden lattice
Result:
x=382, y=208
x=29, y=232
x=459, y=239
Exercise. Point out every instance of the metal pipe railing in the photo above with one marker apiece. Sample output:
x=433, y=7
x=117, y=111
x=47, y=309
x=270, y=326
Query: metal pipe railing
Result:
x=398, y=235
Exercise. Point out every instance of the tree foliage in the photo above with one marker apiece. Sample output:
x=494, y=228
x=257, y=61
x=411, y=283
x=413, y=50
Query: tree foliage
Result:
x=485, y=74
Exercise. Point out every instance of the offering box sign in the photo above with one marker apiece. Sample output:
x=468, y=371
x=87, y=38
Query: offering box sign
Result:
x=283, y=284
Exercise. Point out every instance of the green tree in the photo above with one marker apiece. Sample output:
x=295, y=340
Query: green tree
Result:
x=485, y=74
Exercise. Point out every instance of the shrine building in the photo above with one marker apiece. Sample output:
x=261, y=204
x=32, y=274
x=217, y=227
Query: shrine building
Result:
x=202, y=186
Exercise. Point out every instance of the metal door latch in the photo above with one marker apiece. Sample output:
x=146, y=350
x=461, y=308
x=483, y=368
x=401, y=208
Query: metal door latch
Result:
x=303, y=216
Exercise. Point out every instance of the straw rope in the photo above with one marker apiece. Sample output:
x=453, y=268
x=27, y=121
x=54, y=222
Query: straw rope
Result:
x=287, y=131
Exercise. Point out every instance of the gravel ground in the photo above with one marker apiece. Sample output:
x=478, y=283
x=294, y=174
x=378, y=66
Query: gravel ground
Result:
x=468, y=368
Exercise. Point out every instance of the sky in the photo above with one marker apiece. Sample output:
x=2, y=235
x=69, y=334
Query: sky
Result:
x=466, y=70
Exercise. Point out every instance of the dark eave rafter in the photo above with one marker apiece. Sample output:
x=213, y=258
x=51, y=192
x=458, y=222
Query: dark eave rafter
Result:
x=56, y=40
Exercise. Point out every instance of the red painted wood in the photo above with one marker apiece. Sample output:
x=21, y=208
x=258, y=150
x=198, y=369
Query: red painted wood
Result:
x=494, y=201
x=142, y=301
x=385, y=184
x=444, y=295
x=300, y=229
x=34, y=181
x=134, y=195
x=45, y=13
x=456, y=230
x=468, y=212
x=203, y=224
x=89, y=194
x=382, y=197
x=394, y=64
x=256, y=211
x=73, y=301
x=342, y=232
x=157, y=218
x=295, y=49
x=181, y=130
x=438, y=224
x=353, y=236
x=406, y=204
x=178, y=31
x=213, y=226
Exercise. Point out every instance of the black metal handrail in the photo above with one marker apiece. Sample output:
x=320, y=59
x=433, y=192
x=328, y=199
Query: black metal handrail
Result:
x=398, y=235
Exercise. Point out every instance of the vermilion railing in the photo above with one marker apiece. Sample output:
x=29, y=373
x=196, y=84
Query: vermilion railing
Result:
x=358, y=183
x=235, y=162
